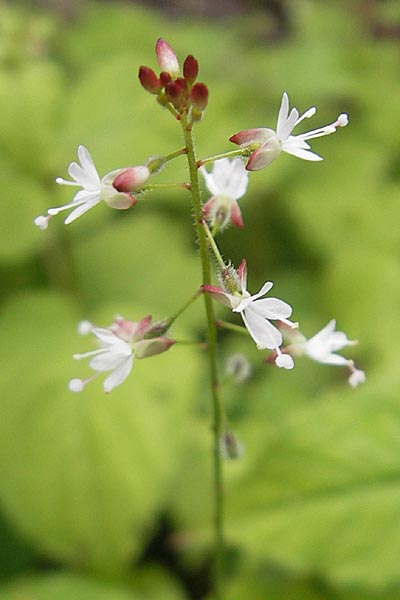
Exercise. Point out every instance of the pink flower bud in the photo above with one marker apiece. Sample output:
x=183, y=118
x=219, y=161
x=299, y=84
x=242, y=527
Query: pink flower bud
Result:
x=199, y=96
x=149, y=80
x=190, y=68
x=153, y=346
x=165, y=78
x=166, y=58
x=175, y=94
x=182, y=84
x=131, y=179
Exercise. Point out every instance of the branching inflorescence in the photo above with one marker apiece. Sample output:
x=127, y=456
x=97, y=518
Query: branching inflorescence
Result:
x=266, y=320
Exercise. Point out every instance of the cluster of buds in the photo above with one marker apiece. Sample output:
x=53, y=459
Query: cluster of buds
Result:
x=173, y=88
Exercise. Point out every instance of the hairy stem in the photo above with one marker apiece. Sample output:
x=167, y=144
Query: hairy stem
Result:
x=218, y=412
x=239, y=152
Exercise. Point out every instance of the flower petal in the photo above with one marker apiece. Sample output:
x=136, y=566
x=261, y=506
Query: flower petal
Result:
x=272, y=308
x=211, y=184
x=295, y=150
x=286, y=122
x=78, y=212
x=262, y=331
x=106, y=361
x=250, y=136
x=118, y=375
x=221, y=296
x=238, y=180
x=236, y=215
x=264, y=155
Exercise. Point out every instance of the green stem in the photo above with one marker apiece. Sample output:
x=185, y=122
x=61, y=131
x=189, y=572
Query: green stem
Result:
x=218, y=411
x=238, y=152
x=213, y=245
x=165, y=186
x=184, y=307
x=232, y=327
x=175, y=154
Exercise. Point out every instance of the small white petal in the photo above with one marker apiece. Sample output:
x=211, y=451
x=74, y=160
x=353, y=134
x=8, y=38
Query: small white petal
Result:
x=78, y=212
x=118, y=375
x=273, y=308
x=295, y=150
x=262, y=331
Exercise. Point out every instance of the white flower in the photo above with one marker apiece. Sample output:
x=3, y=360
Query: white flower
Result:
x=323, y=345
x=322, y=348
x=356, y=376
x=115, y=355
x=257, y=314
x=227, y=183
x=94, y=190
x=119, y=345
x=269, y=143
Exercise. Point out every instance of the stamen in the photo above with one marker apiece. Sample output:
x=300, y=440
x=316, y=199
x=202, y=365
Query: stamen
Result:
x=84, y=327
x=76, y=385
x=72, y=204
x=87, y=354
x=283, y=361
x=42, y=221
x=309, y=113
x=342, y=120
x=62, y=181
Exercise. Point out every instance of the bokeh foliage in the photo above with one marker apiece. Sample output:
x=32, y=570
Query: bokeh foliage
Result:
x=312, y=508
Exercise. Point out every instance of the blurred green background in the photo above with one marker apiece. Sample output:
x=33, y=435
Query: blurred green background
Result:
x=109, y=497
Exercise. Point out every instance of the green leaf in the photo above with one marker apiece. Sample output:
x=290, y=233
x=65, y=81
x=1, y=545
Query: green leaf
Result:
x=140, y=257
x=84, y=476
x=23, y=200
x=33, y=110
x=64, y=586
x=322, y=490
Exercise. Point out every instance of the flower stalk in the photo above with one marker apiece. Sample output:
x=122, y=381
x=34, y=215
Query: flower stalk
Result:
x=218, y=410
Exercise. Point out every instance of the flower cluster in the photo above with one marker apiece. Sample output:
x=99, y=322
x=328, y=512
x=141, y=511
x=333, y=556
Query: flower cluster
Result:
x=174, y=89
x=186, y=98
x=119, y=345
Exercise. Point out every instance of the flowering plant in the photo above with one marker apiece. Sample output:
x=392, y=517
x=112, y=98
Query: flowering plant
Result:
x=266, y=320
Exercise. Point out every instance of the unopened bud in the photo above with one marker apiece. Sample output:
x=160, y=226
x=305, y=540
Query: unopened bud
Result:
x=230, y=447
x=150, y=347
x=158, y=329
x=174, y=94
x=182, y=84
x=165, y=78
x=131, y=179
x=229, y=279
x=199, y=96
x=238, y=367
x=190, y=68
x=149, y=80
x=166, y=58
